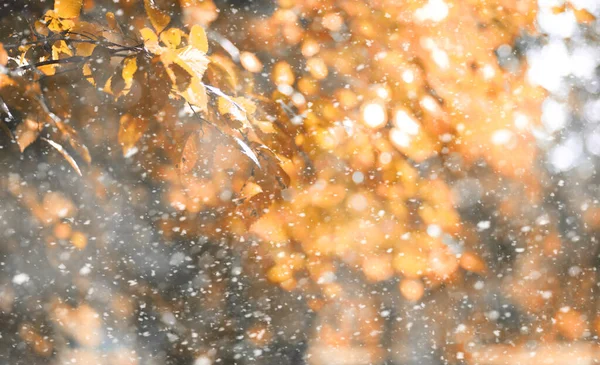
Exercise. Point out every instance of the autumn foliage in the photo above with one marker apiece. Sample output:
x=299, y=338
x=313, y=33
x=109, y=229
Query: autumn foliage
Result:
x=348, y=155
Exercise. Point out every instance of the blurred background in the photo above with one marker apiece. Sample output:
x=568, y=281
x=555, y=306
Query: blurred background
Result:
x=442, y=209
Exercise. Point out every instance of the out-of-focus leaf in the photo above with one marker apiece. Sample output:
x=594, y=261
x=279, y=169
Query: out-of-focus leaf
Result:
x=246, y=150
x=182, y=78
x=27, y=132
x=129, y=69
x=100, y=66
x=84, y=49
x=189, y=156
x=68, y=8
x=198, y=38
x=195, y=94
x=159, y=18
x=112, y=22
x=201, y=12
x=159, y=84
x=117, y=83
x=65, y=154
x=249, y=190
x=4, y=121
x=253, y=208
x=559, y=9
x=583, y=16
x=272, y=177
x=71, y=135
x=3, y=56
x=87, y=29
x=221, y=75
x=131, y=129
x=40, y=28
x=236, y=116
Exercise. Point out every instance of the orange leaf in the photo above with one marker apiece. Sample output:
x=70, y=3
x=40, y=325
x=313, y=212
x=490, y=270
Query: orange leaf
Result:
x=26, y=133
x=189, y=156
x=68, y=8
x=130, y=131
x=583, y=16
x=159, y=18
x=112, y=22
x=60, y=47
x=3, y=56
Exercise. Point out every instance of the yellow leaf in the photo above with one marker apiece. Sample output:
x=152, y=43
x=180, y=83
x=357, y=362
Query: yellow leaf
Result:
x=60, y=47
x=159, y=18
x=559, y=9
x=108, y=86
x=193, y=60
x=195, y=94
x=248, y=105
x=68, y=8
x=129, y=69
x=56, y=23
x=198, y=38
x=228, y=106
x=87, y=73
x=150, y=40
x=171, y=37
